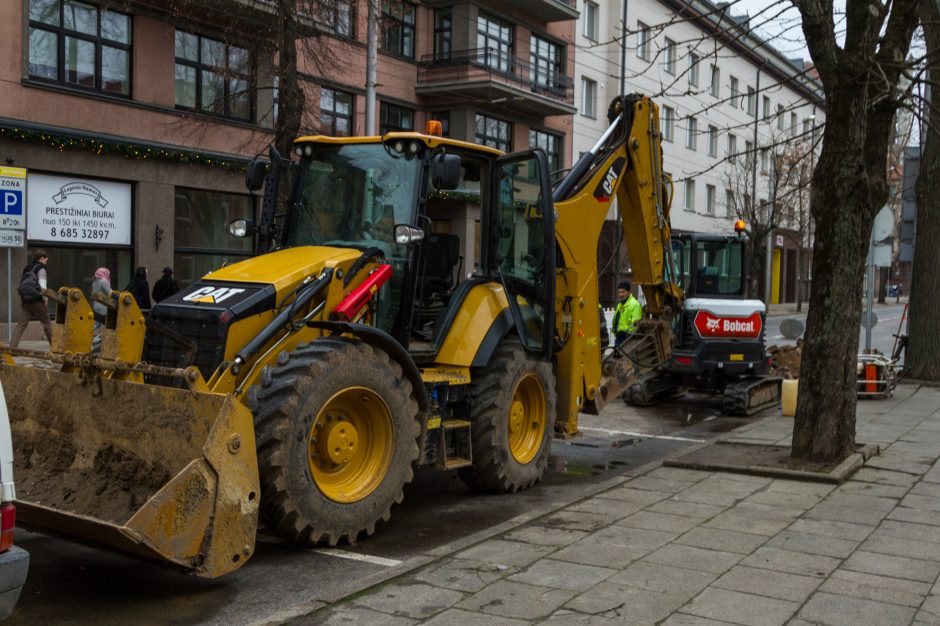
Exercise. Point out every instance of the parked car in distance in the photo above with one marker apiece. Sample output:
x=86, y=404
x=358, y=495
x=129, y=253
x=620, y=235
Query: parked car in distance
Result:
x=14, y=561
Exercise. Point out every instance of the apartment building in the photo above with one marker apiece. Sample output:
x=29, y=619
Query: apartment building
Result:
x=135, y=118
x=737, y=118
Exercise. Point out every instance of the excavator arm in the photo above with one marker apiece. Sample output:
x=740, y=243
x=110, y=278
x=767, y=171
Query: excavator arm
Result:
x=626, y=164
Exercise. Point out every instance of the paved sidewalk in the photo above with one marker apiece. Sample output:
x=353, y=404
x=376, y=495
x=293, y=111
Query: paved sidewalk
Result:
x=675, y=546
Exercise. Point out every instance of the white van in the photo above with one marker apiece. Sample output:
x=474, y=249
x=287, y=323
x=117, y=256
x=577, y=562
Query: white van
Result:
x=14, y=561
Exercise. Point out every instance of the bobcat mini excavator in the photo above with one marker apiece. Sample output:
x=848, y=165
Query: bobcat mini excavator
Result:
x=298, y=389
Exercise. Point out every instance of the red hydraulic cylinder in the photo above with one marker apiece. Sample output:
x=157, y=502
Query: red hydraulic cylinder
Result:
x=352, y=304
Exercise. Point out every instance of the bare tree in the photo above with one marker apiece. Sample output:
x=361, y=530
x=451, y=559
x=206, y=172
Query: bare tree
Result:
x=860, y=78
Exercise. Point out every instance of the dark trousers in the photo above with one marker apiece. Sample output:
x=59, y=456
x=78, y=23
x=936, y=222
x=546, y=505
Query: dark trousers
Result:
x=29, y=310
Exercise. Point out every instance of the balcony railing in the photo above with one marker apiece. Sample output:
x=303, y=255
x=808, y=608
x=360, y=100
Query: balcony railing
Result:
x=481, y=64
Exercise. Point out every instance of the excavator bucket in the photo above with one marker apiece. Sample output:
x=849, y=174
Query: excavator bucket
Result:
x=162, y=473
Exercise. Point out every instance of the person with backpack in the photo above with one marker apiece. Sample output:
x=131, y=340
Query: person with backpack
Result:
x=166, y=286
x=32, y=302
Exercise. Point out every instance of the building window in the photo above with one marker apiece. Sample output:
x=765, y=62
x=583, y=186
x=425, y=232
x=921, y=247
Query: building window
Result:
x=779, y=117
x=794, y=122
x=766, y=114
x=494, y=42
x=670, y=64
x=734, y=92
x=715, y=84
x=807, y=126
x=710, y=199
x=729, y=201
x=395, y=118
x=398, y=27
x=339, y=16
x=336, y=113
x=551, y=144
x=749, y=154
x=80, y=45
x=690, y=194
x=668, y=123
x=692, y=137
x=643, y=41
x=443, y=31
x=212, y=76
x=732, y=146
x=588, y=98
x=494, y=133
x=751, y=101
x=590, y=21
x=546, y=59
x=693, y=69
x=200, y=245
x=763, y=161
x=712, y=140
x=444, y=118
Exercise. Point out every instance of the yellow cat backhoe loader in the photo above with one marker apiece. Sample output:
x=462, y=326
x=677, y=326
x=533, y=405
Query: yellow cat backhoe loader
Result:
x=299, y=388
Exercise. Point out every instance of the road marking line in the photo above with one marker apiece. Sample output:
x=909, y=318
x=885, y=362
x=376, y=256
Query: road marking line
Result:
x=643, y=435
x=352, y=556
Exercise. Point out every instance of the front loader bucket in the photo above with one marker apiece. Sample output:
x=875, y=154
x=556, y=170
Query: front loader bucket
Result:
x=161, y=473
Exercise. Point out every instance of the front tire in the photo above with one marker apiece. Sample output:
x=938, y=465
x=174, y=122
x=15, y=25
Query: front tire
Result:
x=512, y=420
x=337, y=432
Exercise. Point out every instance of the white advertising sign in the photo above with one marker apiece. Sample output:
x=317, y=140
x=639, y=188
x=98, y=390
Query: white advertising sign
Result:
x=12, y=198
x=74, y=210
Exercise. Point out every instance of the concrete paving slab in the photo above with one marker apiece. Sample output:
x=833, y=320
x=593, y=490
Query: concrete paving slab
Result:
x=562, y=575
x=789, y=562
x=501, y=551
x=894, y=566
x=667, y=485
x=627, y=493
x=909, y=530
x=802, y=487
x=507, y=598
x=929, y=611
x=662, y=578
x=877, y=588
x=630, y=605
x=720, y=539
x=689, y=509
x=679, y=473
x=610, y=508
x=826, y=528
x=834, y=512
x=836, y=610
x=469, y=618
x=813, y=544
x=712, y=561
x=719, y=491
x=917, y=516
x=580, y=520
x=785, y=499
x=652, y=520
x=417, y=601
x=748, y=520
x=544, y=536
x=742, y=608
x=352, y=615
x=884, y=544
x=884, y=476
x=762, y=582
x=921, y=502
x=614, y=546
x=873, y=489
x=684, y=619
x=464, y=575
x=567, y=617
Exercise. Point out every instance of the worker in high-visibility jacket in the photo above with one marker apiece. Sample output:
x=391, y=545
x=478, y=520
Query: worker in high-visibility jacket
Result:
x=627, y=313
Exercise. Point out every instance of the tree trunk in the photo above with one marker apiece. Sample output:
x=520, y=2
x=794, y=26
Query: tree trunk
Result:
x=923, y=349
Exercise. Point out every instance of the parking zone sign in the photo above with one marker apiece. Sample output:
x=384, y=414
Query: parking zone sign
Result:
x=12, y=198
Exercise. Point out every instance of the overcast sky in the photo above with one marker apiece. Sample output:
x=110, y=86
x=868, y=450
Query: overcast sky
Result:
x=779, y=22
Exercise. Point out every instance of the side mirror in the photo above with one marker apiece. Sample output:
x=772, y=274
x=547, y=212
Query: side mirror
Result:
x=241, y=228
x=445, y=171
x=254, y=175
x=407, y=234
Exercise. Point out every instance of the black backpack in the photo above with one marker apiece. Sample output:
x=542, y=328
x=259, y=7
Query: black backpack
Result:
x=29, y=289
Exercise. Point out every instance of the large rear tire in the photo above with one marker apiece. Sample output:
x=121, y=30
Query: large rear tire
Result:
x=512, y=418
x=337, y=434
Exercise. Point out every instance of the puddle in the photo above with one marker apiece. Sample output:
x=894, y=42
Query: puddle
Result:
x=561, y=466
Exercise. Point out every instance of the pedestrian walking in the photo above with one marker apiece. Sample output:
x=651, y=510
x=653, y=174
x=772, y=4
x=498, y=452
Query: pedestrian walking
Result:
x=166, y=286
x=140, y=288
x=100, y=285
x=627, y=313
x=32, y=302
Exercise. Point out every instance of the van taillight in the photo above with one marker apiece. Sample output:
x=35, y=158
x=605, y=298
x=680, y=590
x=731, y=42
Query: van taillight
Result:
x=8, y=523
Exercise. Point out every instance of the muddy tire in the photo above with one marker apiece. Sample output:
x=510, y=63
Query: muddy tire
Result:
x=512, y=415
x=336, y=427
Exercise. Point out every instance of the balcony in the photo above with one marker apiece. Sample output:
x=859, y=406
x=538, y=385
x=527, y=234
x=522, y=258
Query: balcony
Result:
x=541, y=10
x=486, y=75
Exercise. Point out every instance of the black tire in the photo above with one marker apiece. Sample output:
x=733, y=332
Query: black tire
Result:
x=495, y=467
x=332, y=375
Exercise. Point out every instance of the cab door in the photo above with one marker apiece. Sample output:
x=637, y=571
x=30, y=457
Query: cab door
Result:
x=520, y=250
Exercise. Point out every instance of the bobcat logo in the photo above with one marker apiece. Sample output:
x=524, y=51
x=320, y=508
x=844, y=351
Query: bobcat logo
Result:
x=711, y=323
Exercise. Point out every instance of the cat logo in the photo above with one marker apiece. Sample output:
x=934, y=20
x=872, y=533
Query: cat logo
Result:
x=212, y=295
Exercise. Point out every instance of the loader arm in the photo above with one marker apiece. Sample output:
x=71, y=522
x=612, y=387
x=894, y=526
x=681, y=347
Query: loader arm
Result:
x=626, y=164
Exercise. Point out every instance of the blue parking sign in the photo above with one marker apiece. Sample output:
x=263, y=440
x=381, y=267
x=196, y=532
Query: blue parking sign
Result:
x=11, y=202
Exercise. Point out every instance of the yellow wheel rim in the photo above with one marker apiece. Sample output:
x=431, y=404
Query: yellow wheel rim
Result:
x=350, y=445
x=527, y=419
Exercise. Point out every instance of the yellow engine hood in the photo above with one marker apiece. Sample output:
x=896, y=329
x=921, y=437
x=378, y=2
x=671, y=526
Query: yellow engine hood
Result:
x=284, y=268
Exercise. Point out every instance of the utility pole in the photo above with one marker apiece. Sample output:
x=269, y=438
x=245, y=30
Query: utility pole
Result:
x=371, y=45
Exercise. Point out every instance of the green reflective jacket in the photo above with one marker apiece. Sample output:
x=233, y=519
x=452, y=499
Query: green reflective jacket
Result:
x=626, y=315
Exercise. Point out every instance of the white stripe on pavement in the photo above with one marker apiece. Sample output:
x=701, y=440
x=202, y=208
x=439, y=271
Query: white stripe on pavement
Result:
x=352, y=556
x=643, y=435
